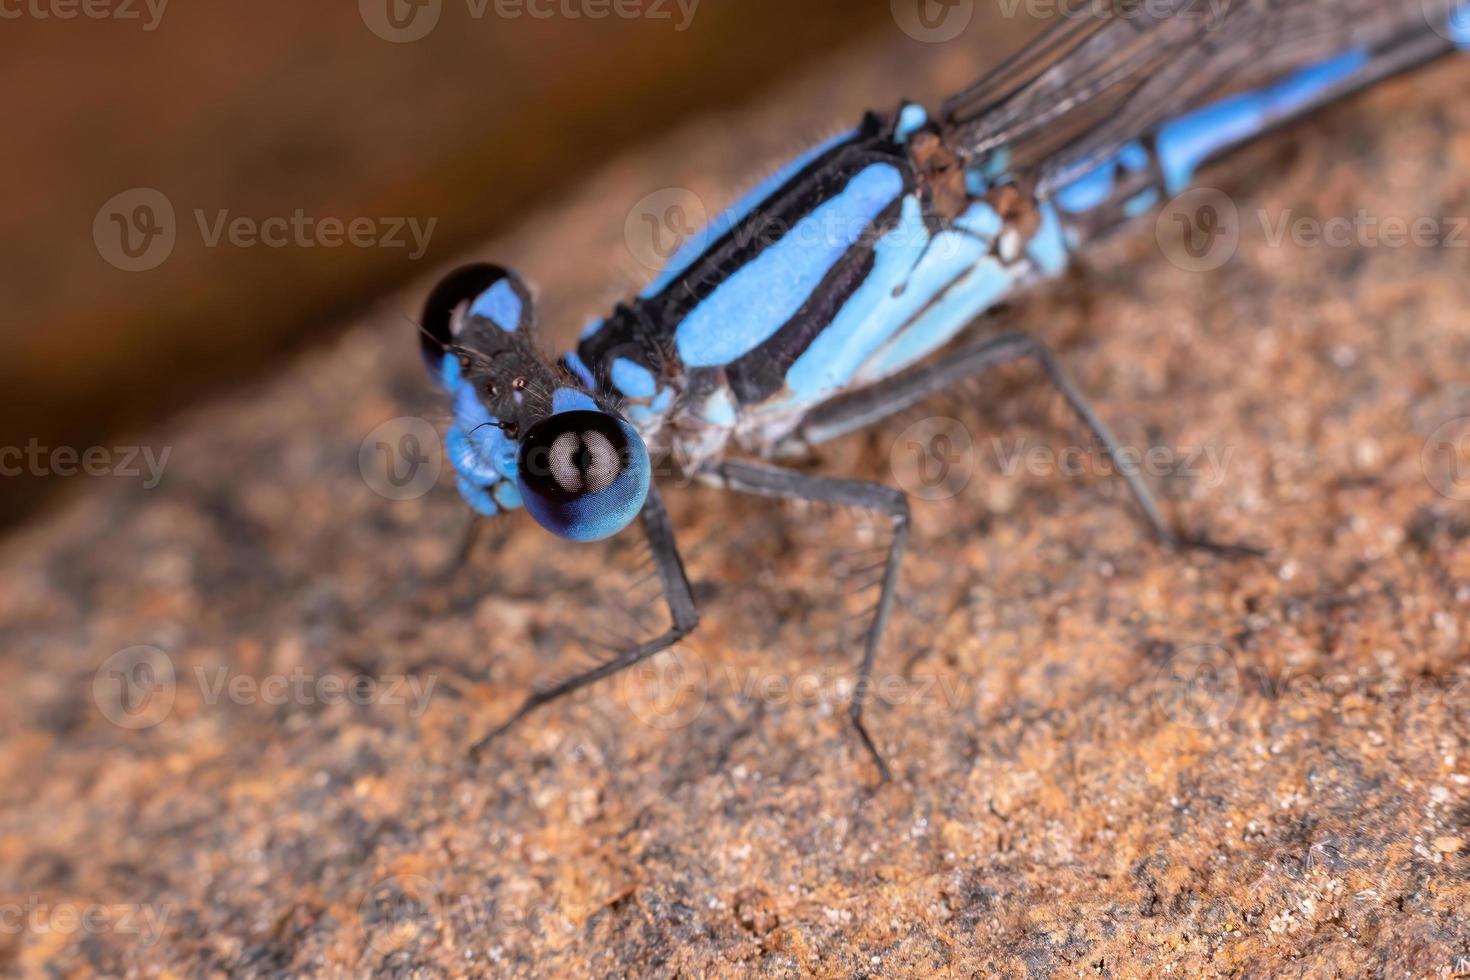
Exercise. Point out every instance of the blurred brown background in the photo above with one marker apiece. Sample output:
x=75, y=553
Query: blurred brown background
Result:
x=334, y=110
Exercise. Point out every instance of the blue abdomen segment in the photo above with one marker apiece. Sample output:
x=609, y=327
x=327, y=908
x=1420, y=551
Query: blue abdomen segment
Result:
x=1095, y=188
x=1134, y=179
x=1187, y=142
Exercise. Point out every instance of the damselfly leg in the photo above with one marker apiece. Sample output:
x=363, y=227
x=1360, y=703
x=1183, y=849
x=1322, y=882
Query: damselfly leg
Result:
x=862, y=408
x=682, y=613
x=775, y=481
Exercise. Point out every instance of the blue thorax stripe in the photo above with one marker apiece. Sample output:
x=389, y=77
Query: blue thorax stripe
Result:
x=745, y=287
x=697, y=243
x=753, y=303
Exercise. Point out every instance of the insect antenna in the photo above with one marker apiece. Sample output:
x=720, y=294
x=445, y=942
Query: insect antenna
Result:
x=426, y=333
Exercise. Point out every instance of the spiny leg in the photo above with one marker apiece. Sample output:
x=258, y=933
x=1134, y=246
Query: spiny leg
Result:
x=862, y=408
x=774, y=481
x=682, y=612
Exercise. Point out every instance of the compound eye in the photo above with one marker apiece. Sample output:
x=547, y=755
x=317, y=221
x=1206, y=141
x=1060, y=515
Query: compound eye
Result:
x=583, y=475
x=482, y=290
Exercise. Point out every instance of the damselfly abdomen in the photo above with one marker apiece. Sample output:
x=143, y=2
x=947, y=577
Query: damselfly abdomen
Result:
x=840, y=291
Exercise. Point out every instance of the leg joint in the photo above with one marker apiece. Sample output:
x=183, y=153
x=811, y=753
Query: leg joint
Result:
x=685, y=622
x=896, y=506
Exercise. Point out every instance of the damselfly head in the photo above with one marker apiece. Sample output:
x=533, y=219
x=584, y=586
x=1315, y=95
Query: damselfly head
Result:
x=527, y=432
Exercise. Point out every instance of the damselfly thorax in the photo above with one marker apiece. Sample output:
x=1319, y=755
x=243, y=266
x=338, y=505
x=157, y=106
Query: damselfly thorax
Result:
x=867, y=256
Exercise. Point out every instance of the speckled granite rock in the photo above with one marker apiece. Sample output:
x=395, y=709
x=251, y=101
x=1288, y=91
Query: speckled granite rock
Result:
x=1109, y=760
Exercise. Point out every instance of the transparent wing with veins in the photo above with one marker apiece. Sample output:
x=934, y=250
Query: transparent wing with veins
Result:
x=1092, y=83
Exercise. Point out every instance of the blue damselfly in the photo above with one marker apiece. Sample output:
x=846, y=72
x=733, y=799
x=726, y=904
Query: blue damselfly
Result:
x=839, y=291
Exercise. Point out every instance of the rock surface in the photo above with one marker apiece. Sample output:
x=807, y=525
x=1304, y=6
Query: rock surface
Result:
x=1109, y=760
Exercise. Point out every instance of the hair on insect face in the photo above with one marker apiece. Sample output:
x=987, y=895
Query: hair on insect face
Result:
x=583, y=475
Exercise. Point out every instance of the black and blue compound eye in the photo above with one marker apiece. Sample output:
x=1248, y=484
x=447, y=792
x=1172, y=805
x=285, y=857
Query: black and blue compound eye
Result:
x=583, y=475
x=480, y=290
